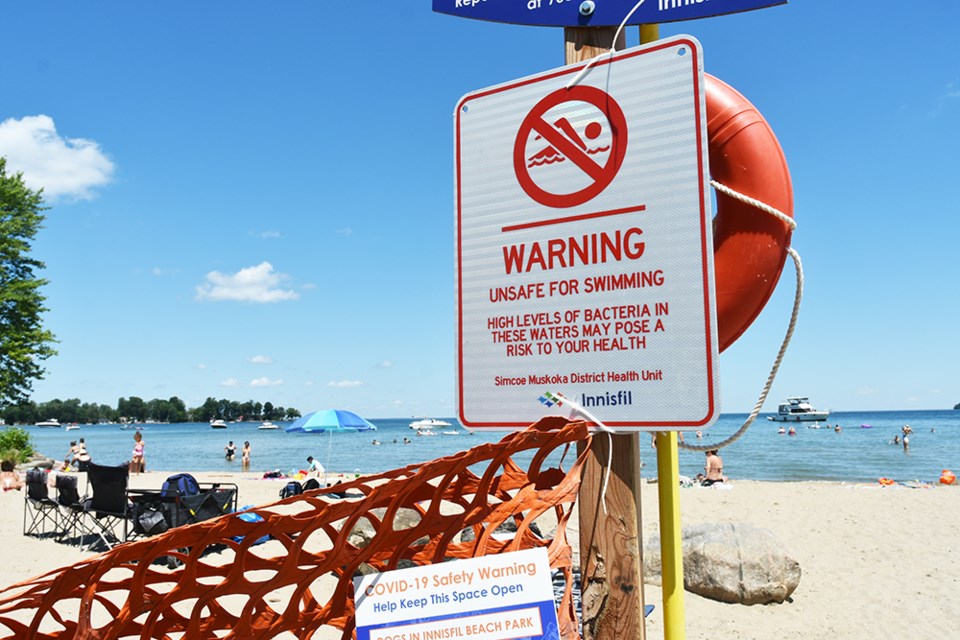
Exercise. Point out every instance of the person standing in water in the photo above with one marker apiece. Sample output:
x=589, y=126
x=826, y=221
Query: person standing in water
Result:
x=245, y=456
x=231, y=451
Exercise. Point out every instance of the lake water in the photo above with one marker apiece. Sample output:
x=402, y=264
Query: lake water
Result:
x=855, y=454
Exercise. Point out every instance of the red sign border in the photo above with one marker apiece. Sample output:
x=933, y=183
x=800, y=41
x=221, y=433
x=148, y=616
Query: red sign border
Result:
x=694, y=52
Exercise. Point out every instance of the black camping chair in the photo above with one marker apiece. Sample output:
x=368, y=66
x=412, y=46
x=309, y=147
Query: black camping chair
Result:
x=106, y=507
x=69, y=504
x=41, y=514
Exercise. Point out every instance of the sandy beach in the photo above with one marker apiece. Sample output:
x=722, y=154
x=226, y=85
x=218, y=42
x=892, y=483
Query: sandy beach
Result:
x=877, y=562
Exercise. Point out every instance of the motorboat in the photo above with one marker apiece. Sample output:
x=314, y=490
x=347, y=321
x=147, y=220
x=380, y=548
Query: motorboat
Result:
x=72, y=427
x=267, y=426
x=52, y=422
x=218, y=424
x=798, y=409
x=450, y=432
x=428, y=423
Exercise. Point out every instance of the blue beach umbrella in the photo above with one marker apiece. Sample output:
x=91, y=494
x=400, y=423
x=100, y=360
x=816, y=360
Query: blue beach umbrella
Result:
x=331, y=420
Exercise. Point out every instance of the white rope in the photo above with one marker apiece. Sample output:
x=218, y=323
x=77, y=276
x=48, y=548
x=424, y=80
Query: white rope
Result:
x=578, y=408
x=763, y=206
x=613, y=49
x=798, y=296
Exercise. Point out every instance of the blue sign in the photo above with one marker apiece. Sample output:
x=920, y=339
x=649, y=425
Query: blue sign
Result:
x=594, y=13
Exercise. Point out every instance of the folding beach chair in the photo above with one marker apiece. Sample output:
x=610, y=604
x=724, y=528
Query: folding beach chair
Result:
x=100, y=514
x=40, y=512
x=69, y=504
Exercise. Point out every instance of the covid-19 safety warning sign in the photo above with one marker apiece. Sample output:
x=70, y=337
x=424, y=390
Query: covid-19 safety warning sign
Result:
x=584, y=257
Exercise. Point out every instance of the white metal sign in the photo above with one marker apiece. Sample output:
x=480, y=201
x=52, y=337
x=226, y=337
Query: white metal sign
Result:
x=583, y=245
x=497, y=597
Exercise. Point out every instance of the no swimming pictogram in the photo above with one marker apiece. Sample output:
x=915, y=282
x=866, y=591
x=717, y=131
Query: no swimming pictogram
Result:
x=570, y=146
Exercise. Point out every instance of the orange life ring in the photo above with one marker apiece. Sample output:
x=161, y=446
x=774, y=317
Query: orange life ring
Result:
x=749, y=246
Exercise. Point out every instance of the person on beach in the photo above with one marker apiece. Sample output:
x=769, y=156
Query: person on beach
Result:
x=137, y=461
x=713, y=469
x=245, y=455
x=314, y=466
x=9, y=477
x=231, y=451
x=82, y=458
x=71, y=457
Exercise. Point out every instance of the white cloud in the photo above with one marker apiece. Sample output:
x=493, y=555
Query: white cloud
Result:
x=265, y=382
x=270, y=233
x=345, y=231
x=252, y=284
x=866, y=391
x=386, y=364
x=230, y=382
x=261, y=360
x=200, y=366
x=345, y=384
x=63, y=167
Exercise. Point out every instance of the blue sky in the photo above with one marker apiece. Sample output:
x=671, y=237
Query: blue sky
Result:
x=255, y=200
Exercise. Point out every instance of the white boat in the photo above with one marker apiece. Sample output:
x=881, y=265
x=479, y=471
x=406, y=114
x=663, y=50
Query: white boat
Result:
x=52, y=422
x=72, y=427
x=218, y=424
x=450, y=432
x=428, y=423
x=267, y=426
x=798, y=409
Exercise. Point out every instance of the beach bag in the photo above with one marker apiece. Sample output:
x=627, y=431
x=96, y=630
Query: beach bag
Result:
x=292, y=488
x=181, y=484
x=248, y=516
x=311, y=485
x=151, y=522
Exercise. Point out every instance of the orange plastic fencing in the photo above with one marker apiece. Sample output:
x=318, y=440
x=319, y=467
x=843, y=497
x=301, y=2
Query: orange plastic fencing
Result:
x=299, y=584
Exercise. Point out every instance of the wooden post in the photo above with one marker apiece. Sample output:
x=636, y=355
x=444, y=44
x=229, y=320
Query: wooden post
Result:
x=610, y=544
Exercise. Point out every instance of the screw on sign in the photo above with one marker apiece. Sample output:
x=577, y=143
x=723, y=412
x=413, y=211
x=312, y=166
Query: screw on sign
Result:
x=573, y=139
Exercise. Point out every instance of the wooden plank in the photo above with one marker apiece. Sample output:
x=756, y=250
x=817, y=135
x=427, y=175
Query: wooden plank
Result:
x=610, y=543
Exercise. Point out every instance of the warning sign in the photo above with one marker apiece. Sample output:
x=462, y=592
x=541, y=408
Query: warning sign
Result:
x=583, y=245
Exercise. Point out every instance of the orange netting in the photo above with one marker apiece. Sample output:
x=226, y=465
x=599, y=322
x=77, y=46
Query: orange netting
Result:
x=299, y=584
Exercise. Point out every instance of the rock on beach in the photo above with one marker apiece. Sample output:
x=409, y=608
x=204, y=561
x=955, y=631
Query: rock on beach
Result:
x=732, y=562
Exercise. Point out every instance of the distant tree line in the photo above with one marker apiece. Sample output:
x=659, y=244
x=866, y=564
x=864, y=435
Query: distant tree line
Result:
x=134, y=409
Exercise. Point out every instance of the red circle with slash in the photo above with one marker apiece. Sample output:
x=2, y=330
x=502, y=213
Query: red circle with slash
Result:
x=601, y=174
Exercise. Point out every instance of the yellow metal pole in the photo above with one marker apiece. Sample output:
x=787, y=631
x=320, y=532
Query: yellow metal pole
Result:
x=649, y=33
x=671, y=535
x=668, y=488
